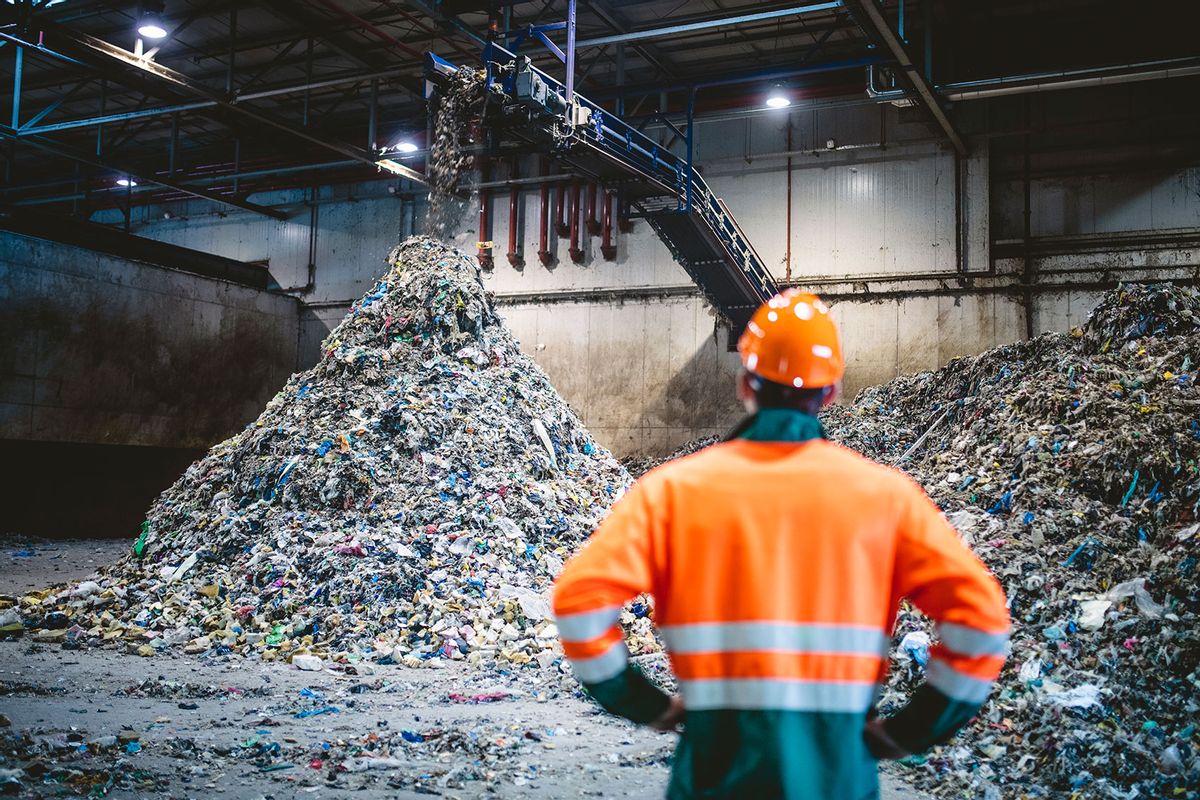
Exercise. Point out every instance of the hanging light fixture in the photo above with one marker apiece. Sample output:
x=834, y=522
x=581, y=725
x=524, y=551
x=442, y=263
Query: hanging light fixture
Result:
x=407, y=147
x=778, y=98
x=128, y=183
x=150, y=23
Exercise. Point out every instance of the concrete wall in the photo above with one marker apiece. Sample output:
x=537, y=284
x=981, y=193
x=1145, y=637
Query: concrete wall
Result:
x=103, y=350
x=914, y=251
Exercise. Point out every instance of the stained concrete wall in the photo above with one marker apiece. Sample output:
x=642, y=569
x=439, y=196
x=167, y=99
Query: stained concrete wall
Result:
x=103, y=350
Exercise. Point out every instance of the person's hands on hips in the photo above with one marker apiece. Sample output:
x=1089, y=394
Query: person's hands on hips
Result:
x=880, y=742
x=670, y=719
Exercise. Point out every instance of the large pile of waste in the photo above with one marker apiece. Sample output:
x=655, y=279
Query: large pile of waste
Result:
x=1070, y=464
x=411, y=496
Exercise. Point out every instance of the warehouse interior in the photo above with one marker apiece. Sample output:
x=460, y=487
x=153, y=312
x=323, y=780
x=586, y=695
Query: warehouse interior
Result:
x=196, y=193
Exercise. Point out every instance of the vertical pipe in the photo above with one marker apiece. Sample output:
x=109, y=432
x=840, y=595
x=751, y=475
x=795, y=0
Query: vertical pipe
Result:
x=313, y=220
x=576, y=253
x=691, y=138
x=484, y=251
x=174, y=145
x=903, y=38
x=372, y=116
x=593, y=224
x=232, y=49
x=1027, y=244
x=621, y=81
x=237, y=162
x=560, y=217
x=308, y=69
x=570, y=58
x=928, y=9
x=959, y=260
x=607, y=248
x=514, y=210
x=544, y=254
x=788, y=232
x=100, y=128
x=17, y=74
x=128, y=202
x=484, y=247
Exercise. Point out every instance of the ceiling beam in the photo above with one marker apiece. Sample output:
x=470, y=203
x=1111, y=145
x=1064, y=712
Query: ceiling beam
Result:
x=239, y=97
x=88, y=46
x=706, y=24
x=92, y=161
x=648, y=52
x=868, y=15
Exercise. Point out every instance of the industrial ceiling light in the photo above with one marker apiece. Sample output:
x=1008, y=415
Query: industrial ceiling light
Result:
x=126, y=182
x=150, y=25
x=407, y=147
x=778, y=98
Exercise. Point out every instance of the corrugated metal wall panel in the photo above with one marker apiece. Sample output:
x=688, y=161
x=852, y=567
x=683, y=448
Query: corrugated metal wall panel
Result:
x=1098, y=204
x=868, y=216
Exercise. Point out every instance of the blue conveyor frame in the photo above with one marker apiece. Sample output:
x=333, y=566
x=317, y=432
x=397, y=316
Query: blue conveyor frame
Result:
x=662, y=187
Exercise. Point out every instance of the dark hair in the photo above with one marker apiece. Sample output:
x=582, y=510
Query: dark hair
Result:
x=770, y=394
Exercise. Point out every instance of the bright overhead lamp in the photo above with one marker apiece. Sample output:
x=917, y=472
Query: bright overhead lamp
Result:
x=778, y=99
x=407, y=147
x=126, y=182
x=150, y=25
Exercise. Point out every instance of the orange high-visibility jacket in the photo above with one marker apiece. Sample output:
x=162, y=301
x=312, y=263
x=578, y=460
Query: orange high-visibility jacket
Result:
x=776, y=570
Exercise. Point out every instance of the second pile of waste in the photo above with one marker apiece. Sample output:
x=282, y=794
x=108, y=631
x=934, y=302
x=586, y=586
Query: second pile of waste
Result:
x=1071, y=465
x=410, y=497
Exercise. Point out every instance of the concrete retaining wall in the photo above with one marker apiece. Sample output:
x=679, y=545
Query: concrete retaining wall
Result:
x=104, y=350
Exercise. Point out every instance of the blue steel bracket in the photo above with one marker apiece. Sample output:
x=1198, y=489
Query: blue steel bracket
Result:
x=537, y=31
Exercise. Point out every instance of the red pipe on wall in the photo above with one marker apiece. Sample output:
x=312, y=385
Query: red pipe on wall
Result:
x=484, y=252
x=593, y=224
x=607, y=247
x=514, y=219
x=560, y=219
x=544, y=254
x=576, y=253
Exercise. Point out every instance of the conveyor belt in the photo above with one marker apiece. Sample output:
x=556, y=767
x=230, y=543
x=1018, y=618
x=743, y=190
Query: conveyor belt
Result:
x=662, y=187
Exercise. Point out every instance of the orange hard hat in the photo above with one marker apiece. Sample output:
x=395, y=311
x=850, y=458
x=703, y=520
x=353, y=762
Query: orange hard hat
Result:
x=792, y=340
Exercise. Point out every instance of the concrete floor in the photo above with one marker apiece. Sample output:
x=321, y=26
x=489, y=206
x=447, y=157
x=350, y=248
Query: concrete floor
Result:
x=230, y=727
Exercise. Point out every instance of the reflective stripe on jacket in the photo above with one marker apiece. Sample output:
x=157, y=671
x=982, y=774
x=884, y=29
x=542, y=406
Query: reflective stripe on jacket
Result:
x=777, y=568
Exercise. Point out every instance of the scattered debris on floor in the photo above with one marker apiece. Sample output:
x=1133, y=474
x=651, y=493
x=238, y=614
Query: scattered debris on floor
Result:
x=210, y=727
x=410, y=497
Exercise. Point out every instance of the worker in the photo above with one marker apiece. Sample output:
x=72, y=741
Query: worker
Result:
x=777, y=561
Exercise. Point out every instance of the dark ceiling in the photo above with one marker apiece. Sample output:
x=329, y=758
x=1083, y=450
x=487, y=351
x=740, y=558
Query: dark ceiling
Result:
x=231, y=98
